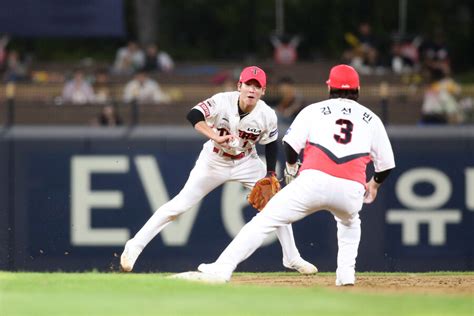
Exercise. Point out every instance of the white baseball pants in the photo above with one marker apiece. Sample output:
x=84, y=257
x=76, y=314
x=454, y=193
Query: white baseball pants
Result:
x=310, y=192
x=212, y=170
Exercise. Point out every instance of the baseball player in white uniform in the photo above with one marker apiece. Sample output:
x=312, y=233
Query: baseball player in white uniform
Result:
x=339, y=137
x=234, y=122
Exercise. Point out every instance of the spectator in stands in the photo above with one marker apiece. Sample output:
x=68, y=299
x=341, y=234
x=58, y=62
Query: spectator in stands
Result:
x=101, y=87
x=290, y=101
x=78, y=90
x=405, y=54
x=435, y=55
x=109, y=116
x=228, y=84
x=285, y=49
x=439, y=103
x=129, y=59
x=362, y=53
x=157, y=60
x=4, y=39
x=225, y=79
x=144, y=90
x=15, y=68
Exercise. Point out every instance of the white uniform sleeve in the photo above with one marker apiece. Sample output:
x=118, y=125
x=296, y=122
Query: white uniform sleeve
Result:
x=297, y=134
x=209, y=108
x=381, y=150
x=270, y=133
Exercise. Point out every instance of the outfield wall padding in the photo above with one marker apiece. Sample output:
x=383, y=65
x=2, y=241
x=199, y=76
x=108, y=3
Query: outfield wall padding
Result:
x=75, y=195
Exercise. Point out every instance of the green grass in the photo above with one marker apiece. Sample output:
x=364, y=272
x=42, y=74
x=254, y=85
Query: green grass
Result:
x=152, y=294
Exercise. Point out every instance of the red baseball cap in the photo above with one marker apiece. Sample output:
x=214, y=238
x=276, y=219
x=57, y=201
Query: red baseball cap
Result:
x=255, y=73
x=343, y=77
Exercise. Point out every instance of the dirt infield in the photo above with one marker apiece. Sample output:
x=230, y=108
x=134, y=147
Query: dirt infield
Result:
x=436, y=284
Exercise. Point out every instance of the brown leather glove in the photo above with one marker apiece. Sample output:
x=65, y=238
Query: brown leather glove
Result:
x=263, y=191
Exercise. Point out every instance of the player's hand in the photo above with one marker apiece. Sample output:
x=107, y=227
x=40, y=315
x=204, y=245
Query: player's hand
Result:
x=291, y=172
x=224, y=140
x=371, y=193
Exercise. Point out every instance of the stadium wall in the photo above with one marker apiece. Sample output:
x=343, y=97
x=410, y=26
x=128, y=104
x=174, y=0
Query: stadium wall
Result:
x=4, y=207
x=71, y=197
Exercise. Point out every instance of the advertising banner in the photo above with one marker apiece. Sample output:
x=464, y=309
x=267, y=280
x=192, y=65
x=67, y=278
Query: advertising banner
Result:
x=78, y=199
x=48, y=18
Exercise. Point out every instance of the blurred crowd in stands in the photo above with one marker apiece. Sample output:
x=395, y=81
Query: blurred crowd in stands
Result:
x=132, y=57
x=85, y=85
x=420, y=62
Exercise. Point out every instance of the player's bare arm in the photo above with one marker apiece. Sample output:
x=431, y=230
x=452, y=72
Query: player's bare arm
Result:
x=196, y=118
x=204, y=129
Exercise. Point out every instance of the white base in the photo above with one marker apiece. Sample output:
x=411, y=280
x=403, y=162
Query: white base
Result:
x=198, y=277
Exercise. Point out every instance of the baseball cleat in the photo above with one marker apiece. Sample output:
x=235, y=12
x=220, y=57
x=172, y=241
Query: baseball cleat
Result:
x=215, y=269
x=340, y=283
x=199, y=277
x=345, y=276
x=301, y=265
x=129, y=256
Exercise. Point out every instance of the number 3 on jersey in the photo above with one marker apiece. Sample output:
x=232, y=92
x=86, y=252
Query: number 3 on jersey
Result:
x=345, y=135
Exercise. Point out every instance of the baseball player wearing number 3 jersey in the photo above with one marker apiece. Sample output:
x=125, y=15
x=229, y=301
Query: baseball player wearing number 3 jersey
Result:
x=339, y=137
x=234, y=122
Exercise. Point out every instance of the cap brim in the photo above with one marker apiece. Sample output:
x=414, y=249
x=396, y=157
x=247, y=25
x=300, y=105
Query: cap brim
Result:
x=259, y=82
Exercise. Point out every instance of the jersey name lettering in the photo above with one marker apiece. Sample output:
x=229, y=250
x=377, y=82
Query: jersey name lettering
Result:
x=250, y=136
x=346, y=111
x=326, y=110
x=367, y=117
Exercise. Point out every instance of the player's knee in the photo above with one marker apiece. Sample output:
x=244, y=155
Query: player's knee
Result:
x=171, y=213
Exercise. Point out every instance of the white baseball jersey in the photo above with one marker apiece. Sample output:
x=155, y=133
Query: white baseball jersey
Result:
x=340, y=137
x=222, y=114
x=215, y=166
